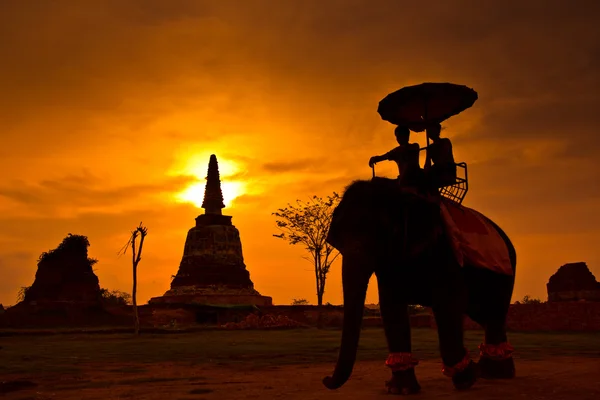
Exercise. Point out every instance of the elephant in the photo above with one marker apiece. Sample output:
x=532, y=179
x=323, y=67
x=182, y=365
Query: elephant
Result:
x=380, y=229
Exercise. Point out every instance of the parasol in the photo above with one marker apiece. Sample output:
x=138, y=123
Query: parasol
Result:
x=430, y=102
x=418, y=106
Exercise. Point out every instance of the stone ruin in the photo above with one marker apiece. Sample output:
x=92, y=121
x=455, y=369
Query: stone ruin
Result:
x=65, y=290
x=573, y=282
x=65, y=274
x=212, y=269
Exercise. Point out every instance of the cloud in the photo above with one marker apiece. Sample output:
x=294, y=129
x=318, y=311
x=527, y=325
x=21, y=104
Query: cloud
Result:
x=78, y=192
x=103, y=98
x=11, y=264
x=23, y=239
x=300, y=165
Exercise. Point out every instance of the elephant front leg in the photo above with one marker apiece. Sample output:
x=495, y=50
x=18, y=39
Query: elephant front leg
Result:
x=401, y=362
x=448, y=312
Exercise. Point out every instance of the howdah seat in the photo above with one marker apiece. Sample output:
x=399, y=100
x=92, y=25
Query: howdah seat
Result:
x=458, y=190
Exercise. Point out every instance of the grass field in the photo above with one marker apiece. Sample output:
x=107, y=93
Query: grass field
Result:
x=253, y=349
x=287, y=364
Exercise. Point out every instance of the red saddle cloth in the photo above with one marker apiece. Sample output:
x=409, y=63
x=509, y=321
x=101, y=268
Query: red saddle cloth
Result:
x=474, y=239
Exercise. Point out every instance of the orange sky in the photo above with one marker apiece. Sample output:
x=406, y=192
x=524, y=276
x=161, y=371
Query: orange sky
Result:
x=107, y=106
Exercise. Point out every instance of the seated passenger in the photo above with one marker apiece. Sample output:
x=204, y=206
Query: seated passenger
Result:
x=443, y=171
x=406, y=157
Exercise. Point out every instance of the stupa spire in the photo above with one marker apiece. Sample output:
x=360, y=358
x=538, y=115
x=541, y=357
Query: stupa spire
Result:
x=213, y=196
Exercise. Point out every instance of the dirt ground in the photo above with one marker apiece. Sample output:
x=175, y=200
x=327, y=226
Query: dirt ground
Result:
x=551, y=378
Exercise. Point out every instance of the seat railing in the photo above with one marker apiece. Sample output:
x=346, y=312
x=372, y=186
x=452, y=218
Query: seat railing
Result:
x=458, y=190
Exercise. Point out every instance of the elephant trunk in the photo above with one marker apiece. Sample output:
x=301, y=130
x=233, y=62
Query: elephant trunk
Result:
x=355, y=282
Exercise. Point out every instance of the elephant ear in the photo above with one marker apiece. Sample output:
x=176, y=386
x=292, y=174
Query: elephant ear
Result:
x=377, y=213
x=358, y=220
x=334, y=234
x=418, y=226
x=425, y=226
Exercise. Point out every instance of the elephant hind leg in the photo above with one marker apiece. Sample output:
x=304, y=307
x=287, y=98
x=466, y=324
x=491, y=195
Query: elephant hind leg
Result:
x=495, y=357
x=496, y=368
x=490, y=297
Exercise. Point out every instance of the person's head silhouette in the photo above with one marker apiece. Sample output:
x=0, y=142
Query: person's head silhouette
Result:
x=402, y=135
x=433, y=131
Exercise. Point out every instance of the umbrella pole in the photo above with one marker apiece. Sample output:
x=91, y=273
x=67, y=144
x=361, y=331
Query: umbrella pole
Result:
x=425, y=118
x=426, y=150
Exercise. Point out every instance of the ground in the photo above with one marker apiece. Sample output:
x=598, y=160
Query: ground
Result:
x=273, y=364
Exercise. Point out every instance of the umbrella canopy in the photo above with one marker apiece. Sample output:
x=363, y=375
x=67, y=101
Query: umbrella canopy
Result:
x=416, y=106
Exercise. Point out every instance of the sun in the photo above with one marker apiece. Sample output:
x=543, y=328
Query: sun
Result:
x=195, y=193
x=197, y=165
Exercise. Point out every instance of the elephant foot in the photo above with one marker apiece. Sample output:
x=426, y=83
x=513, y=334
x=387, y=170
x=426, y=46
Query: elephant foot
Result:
x=466, y=378
x=403, y=382
x=496, y=361
x=464, y=374
x=490, y=368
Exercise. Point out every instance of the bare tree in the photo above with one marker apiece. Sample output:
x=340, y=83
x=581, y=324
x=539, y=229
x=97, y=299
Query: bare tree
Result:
x=136, y=256
x=307, y=223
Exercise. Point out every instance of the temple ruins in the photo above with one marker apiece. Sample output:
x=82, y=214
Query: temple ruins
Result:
x=212, y=270
x=573, y=282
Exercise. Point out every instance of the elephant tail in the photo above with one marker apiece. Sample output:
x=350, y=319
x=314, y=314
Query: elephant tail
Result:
x=355, y=283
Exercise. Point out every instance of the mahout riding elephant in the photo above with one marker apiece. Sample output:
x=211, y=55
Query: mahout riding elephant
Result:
x=401, y=238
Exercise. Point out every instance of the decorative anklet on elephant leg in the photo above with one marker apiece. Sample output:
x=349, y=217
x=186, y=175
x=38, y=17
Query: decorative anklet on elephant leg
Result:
x=459, y=367
x=401, y=361
x=500, y=351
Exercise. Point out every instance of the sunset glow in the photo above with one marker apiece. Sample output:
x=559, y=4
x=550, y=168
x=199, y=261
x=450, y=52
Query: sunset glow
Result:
x=111, y=110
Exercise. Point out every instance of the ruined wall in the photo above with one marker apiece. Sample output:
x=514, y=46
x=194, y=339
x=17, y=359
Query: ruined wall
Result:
x=572, y=316
x=563, y=316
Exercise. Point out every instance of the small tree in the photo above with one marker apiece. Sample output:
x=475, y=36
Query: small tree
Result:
x=300, y=302
x=115, y=297
x=529, y=300
x=22, y=293
x=307, y=223
x=141, y=231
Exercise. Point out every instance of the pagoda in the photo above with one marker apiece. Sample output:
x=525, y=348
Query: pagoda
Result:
x=212, y=270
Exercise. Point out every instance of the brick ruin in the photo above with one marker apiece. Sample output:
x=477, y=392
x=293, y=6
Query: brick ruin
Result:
x=65, y=291
x=573, y=282
x=65, y=275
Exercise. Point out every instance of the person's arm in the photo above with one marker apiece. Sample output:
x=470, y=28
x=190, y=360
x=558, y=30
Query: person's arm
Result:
x=375, y=159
